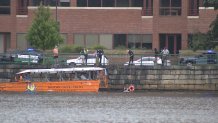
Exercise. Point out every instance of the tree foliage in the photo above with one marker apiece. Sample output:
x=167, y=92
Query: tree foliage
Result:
x=213, y=33
x=44, y=31
x=212, y=3
x=198, y=41
x=209, y=40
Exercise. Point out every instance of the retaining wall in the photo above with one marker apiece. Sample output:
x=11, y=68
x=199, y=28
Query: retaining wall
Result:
x=164, y=78
x=146, y=78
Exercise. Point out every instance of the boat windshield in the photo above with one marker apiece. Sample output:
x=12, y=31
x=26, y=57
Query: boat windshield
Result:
x=64, y=74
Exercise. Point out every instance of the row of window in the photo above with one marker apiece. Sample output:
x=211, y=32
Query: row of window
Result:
x=167, y=7
x=110, y=3
x=139, y=41
x=110, y=41
x=5, y=7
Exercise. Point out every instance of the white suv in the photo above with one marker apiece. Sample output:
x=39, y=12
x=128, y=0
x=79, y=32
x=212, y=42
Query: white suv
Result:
x=91, y=60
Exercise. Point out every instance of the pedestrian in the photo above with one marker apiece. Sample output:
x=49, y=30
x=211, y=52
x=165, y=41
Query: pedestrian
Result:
x=156, y=54
x=101, y=53
x=164, y=53
x=131, y=56
x=55, y=54
x=85, y=51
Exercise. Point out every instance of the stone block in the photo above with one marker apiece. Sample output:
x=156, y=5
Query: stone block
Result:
x=183, y=82
x=169, y=87
x=182, y=86
x=167, y=82
x=168, y=77
x=146, y=86
x=149, y=82
x=153, y=86
x=199, y=87
x=211, y=87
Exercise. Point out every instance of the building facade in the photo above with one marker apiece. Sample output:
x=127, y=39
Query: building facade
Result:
x=140, y=24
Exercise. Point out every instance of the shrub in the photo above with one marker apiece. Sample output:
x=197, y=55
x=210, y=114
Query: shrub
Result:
x=70, y=49
x=120, y=47
x=96, y=47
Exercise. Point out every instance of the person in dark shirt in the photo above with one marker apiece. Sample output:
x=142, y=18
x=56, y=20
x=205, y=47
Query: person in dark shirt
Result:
x=100, y=54
x=131, y=56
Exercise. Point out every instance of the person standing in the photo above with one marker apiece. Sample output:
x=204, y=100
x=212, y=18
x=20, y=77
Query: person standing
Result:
x=85, y=51
x=131, y=56
x=156, y=54
x=101, y=53
x=55, y=54
x=165, y=53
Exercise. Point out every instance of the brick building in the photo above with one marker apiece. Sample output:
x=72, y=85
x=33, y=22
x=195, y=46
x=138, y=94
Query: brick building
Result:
x=143, y=24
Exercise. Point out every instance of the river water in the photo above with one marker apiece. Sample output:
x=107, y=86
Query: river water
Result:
x=109, y=107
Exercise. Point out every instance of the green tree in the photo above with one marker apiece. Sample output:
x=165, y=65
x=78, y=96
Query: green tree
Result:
x=198, y=41
x=213, y=33
x=211, y=3
x=44, y=31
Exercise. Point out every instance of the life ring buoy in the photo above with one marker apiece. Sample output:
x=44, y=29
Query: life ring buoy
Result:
x=131, y=88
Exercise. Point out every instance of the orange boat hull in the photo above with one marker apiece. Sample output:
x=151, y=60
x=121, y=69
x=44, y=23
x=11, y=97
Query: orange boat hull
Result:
x=59, y=86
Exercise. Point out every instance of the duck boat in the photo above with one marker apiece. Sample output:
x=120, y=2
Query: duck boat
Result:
x=83, y=79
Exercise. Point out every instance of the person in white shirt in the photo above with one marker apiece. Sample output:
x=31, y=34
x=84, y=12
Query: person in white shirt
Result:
x=165, y=52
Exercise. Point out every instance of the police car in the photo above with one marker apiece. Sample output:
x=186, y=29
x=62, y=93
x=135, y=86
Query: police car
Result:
x=28, y=56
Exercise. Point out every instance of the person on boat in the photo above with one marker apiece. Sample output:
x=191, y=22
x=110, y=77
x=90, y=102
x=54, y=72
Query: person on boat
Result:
x=20, y=78
x=26, y=77
x=30, y=87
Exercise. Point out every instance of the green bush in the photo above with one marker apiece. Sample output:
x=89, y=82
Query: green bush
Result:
x=120, y=47
x=96, y=47
x=70, y=49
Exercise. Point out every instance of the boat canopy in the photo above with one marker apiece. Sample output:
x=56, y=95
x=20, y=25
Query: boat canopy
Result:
x=56, y=70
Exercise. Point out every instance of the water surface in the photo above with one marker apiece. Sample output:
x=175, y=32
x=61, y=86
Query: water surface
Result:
x=109, y=107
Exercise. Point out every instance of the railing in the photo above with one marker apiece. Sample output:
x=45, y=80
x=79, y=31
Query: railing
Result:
x=174, y=11
x=193, y=12
x=147, y=12
x=22, y=11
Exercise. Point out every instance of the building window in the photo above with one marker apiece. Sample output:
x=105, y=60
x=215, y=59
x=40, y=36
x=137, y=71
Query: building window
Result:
x=51, y=2
x=170, y=7
x=21, y=41
x=91, y=40
x=94, y=3
x=122, y=3
x=22, y=7
x=147, y=9
x=139, y=41
x=65, y=3
x=108, y=3
x=137, y=3
x=120, y=41
x=106, y=40
x=5, y=6
x=193, y=8
x=79, y=40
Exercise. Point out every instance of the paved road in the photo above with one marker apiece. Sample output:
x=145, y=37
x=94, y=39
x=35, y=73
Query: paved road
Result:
x=109, y=107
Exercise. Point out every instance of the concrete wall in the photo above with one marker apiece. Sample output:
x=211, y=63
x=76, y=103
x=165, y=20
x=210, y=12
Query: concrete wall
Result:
x=145, y=78
x=164, y=78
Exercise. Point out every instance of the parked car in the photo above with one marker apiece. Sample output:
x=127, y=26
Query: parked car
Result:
x=209, y=57
x=30, y=55
x=91, y=60
x=148, y=61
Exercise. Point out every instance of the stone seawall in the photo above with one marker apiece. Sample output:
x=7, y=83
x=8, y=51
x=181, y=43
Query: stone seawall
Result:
x=146, y=78
x=164, y=78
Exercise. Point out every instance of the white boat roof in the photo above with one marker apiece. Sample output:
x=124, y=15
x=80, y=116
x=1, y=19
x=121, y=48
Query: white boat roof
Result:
x=56, y=70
